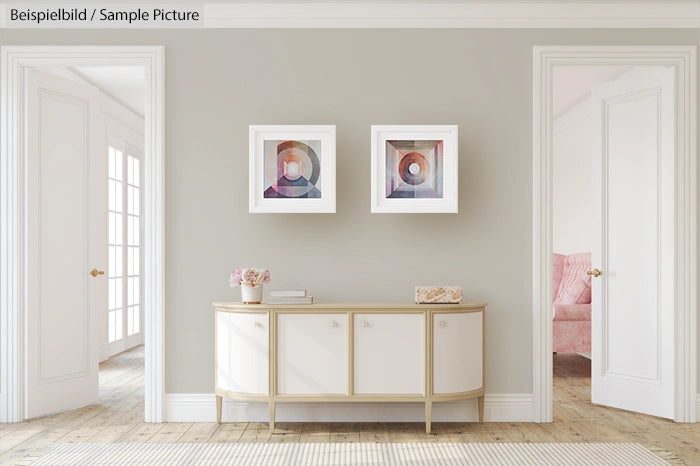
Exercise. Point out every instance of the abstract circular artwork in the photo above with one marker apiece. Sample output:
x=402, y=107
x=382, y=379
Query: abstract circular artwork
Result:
x=414, y=169
x=292, y=169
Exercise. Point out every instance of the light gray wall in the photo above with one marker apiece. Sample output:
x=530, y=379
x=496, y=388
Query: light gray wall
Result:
x=220, y=81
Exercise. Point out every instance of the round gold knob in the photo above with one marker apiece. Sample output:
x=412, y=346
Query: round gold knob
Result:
x=334, y=324
x=443, y=323
x=595, y=273
x=95, y=272
x=365, y=324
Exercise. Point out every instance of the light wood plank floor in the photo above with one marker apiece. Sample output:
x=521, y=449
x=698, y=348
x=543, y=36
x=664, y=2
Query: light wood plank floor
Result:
x=119, y=418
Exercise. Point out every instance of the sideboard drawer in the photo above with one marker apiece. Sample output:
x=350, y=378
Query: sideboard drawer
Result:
x=389, y=353
x=457, y=352
x=311, y=354
x=242, y=352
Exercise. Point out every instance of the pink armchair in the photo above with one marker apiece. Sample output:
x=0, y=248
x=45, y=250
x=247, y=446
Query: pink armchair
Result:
x=571, y=295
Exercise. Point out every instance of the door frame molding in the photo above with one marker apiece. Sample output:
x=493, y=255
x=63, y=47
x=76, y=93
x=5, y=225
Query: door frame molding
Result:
x=13, y=214
x=683, y=58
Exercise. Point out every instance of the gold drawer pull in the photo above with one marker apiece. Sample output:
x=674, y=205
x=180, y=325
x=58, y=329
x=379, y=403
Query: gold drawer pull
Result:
x=443, y=323
x=365, y=324
x=334, y=324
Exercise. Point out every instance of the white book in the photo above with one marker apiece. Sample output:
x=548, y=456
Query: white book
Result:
x=289, y=300
x=287, y=293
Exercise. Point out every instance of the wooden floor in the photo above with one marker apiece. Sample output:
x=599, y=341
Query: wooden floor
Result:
x=119, y=418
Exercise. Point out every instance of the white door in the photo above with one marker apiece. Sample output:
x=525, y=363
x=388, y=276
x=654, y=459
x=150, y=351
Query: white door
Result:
x=389, y=353
x=312, y=354
x=633, y=205
x=66, y=229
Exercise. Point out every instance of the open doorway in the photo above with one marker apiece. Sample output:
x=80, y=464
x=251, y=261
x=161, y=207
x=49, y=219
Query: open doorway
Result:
x=572, y=226
x=92, y=119
x=85, y=144
x=643, y=338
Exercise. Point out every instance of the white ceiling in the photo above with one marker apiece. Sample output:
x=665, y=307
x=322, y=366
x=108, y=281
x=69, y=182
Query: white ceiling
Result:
x=573, y=84
x=123, y=83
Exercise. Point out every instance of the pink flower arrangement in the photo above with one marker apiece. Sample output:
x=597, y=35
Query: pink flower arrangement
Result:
x=249, y=277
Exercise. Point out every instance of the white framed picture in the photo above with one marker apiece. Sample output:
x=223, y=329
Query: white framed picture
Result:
x=292, y=169
x=414, y=168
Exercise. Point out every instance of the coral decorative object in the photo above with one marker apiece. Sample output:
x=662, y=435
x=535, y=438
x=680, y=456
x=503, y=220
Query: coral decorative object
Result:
x=251, y=281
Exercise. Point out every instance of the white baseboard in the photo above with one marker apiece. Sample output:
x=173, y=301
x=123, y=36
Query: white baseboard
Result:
x=697, y=408
x=201, y=407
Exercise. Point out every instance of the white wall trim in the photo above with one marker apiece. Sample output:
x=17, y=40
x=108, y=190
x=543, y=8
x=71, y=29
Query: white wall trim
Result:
x=684, y=59
x=459, y=14
x=201, y=407
x=13, y=252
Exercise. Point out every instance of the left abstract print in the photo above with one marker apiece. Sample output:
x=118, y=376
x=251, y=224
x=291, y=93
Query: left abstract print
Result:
x=292, y=169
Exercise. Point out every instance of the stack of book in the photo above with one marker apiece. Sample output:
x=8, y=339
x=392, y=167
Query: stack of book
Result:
x=288, y=297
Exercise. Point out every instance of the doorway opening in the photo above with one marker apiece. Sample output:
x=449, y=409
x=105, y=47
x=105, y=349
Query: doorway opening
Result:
x=92, y=118
x=577, y=97
x=85, y=144
x=605, y=243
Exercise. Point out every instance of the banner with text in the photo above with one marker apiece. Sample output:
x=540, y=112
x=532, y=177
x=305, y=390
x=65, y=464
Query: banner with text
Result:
x=100, y=16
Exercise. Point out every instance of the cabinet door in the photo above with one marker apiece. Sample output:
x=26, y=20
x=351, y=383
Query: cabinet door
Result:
x=311, y=354
x=457, y=352
x=242, y=352
x=389, y=353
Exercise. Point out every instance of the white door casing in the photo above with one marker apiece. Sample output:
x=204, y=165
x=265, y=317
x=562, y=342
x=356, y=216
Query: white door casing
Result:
x=311, y=353
x=67, y=227
x=389, y=353
x=633, y=301
x=683, y=60
x=457, y=336
x=242, y=350
x=14, y=62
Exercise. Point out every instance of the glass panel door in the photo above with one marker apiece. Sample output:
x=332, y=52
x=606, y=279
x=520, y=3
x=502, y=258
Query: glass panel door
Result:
x=125, y=232
x=116, y=241
x=133, y=258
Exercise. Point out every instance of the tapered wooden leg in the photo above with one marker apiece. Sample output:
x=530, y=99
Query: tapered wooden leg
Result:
x=481, y=408
x=272, y=416
x=428, y=415
x=218, y=409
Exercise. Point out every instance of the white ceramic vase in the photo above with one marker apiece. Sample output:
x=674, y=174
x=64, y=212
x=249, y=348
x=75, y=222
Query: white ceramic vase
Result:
x=251, y=294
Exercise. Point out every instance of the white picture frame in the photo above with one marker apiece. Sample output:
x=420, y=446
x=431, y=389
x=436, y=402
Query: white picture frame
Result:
x=313, y=146
x=437, y=193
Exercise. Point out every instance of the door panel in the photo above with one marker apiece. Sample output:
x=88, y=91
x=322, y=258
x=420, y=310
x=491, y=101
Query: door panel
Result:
x=311, y=353
x=62, y=359
x=389, y=353
x=632, y=303
x=242, y=351
x=458, y=350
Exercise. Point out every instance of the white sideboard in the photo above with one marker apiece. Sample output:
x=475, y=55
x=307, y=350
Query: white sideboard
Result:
x=365, y=352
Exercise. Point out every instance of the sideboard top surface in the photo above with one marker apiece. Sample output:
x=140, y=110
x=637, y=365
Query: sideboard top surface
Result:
x=230, y=306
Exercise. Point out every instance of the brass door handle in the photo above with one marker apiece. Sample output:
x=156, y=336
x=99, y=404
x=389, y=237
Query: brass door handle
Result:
x=95, y=272
x=595, y=273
